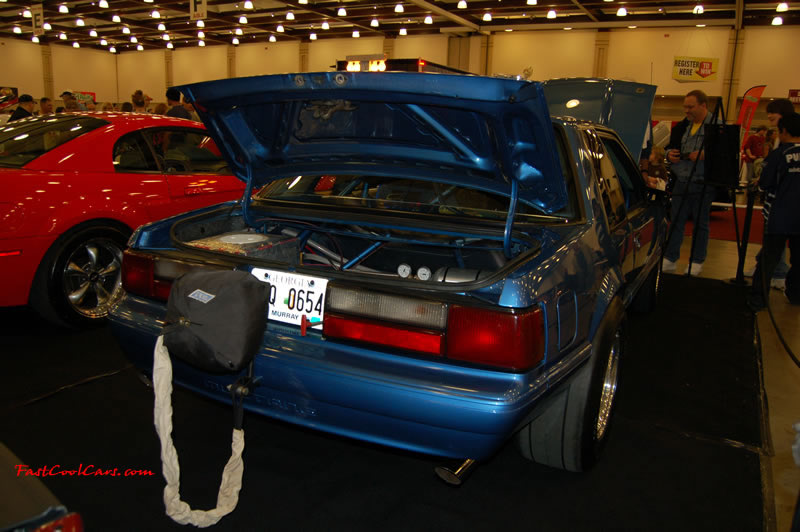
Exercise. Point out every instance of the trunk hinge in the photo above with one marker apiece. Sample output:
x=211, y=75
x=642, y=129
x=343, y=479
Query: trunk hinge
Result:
x=512, y=207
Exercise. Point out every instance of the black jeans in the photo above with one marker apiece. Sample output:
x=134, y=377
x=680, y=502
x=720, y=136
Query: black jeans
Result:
x=767, y=260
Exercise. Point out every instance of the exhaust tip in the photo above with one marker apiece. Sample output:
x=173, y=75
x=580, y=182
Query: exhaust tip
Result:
x=455, y=478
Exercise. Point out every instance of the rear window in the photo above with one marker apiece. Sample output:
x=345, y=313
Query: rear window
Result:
x=21, y=142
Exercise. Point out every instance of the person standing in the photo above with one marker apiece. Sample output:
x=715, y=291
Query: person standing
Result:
x=780, y=178
x=174, y=103
x=45, y=106
x=24, y=109
x=753, y=149
x=690, y=195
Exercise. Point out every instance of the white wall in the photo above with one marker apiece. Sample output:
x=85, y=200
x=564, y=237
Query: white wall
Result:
x=267, y=58
x=22, y=67
x=771, y=58
x=141, y=70
x=551, y=54
x=323, y=54
x=430, y=47
x=190, y=65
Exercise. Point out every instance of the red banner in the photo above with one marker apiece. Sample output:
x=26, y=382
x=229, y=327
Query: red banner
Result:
x=748, y=109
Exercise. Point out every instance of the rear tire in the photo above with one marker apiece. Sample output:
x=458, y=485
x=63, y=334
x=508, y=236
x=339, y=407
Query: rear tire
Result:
x=80, y=277
x=573, y=427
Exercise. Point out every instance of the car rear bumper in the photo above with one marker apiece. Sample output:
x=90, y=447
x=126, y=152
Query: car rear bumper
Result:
x=414, y=404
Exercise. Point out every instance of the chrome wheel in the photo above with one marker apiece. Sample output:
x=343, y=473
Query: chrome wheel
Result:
x=92, y=277
x=609, y=389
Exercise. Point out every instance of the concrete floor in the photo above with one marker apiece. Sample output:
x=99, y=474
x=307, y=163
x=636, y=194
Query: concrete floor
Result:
x=781, y=380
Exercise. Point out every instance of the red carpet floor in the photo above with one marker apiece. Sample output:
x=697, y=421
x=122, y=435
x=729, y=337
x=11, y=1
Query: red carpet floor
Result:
x=722, y=228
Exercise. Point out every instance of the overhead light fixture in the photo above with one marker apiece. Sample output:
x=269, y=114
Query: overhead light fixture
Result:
x=782, y=7
x=487, y=17
x=93, y=33
x=103, y=42
x=148, y=1
x=462, y=4
x=698, y=9
x=302, y=2
x=374, y=23
x=201, y=34
x=509, y=30
x=403, y=31
x=631, y=27
x=356, y=35
x=532, y=2
x=170, y=45
x=116, y=18
x=567, y=28
x=248, y=5
x=289, y=16
x=201, y=43
x=103, y=4
x=399, y=8
x=777, y=21
x=17, y=30
x=700, y=25
x=47, y=26
x=279, y=29
x=342, y=12
x=63, y=8
x=139, y=47
x=112, y=50
x=272, y=38
x=235, y=41
x=134, y=40
x=313, y=36
x=27, y=13
x=201, y=24
x=76, y=44
x=622, y=12
x=62, y=36
x=428, y=20
x=238, y=31
x=165, y=36
x=325, y=25
x=162, y=26
x=243, y=20
x=613, y=0
x=35, y=39
x=155, y=14
x=551, y=13
x=80, y=22
x=126, y=30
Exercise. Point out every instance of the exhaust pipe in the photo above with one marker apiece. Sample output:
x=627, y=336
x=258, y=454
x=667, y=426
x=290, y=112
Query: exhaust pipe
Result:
x=455, y=478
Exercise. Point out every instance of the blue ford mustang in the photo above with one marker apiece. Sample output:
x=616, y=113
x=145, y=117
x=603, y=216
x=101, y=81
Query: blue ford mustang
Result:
x=450, y=265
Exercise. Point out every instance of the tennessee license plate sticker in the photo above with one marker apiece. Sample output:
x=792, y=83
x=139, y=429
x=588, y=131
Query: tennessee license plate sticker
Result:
x=291, y=296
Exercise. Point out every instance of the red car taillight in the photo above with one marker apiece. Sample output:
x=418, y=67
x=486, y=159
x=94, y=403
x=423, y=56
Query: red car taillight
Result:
x=507, y=339
x=71, y=522
x=151, y=276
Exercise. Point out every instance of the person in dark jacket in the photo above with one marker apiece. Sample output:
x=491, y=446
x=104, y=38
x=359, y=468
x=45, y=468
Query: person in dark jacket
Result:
x=25, y=108
x=780, y=179
x=174, y=103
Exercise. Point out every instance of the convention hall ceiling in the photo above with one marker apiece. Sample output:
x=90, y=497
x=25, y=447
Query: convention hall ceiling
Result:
x=128, y=25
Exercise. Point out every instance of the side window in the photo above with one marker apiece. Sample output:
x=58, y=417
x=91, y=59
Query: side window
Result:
x=183, y=150
x=611, y=191
x=629, y=176
x=132, y=154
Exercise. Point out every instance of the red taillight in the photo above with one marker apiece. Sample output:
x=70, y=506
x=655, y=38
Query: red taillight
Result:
x=69, y=523
x=495, y=338
x=138, y=276
x=374, y=332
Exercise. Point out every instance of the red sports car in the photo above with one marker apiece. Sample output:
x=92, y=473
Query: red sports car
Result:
x=74, y=186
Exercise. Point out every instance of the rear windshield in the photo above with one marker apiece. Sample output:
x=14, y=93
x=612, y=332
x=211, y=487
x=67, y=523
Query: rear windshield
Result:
x=23, y=141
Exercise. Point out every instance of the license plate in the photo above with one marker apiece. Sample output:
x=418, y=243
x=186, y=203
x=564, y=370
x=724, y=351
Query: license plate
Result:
x=291, y=296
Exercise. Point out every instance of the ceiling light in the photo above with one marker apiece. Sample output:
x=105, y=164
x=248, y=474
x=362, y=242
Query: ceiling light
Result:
x=622, y=12
x=35, y=39
x=325, y=25
x=700, y=25
x=165, y=36
x=698, y=9
x=134, y=40
x=428, y=20
x=126, y=30
x=238, y=31
x=313, y=36
x=201, y=24
x=112, y=50
x=47, y=26
x=235, y=41
x=462, y=4
x=289, y=16
x=170, y=46
x=63, y=8
x=162, y=26
x=509, y=30
x=27, y=13
x=342, y=12
x=201, y=34
x=272, y=38
x=398, y=8
x=139, y=47
x=403, y=31
x=248, y=5
x=531, y=2
x=17, y=30
x=75, y=44
x=243, y=20
x=103, y=42
x=783, y=6
x=631, y=27
x=201, y=43
x=567, y=28
x=148, y=1
x=279, y=29
x=777, y=21
x=302, y=1
x=374, y=23
x=62, y=36
x=92, y=33
x=487, y=17
x=551, y=13
x=103, y=4
x=356, y=35
x=116, y=18
x=80, y=22
x=155, y=14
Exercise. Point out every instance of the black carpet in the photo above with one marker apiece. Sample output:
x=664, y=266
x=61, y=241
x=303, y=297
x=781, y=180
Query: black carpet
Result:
x=683, y=452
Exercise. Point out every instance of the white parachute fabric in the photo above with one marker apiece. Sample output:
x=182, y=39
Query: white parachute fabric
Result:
x=177, y=509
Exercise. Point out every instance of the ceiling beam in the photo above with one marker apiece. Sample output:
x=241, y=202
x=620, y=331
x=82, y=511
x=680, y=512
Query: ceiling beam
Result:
x=586, y=11
x=461, y=21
